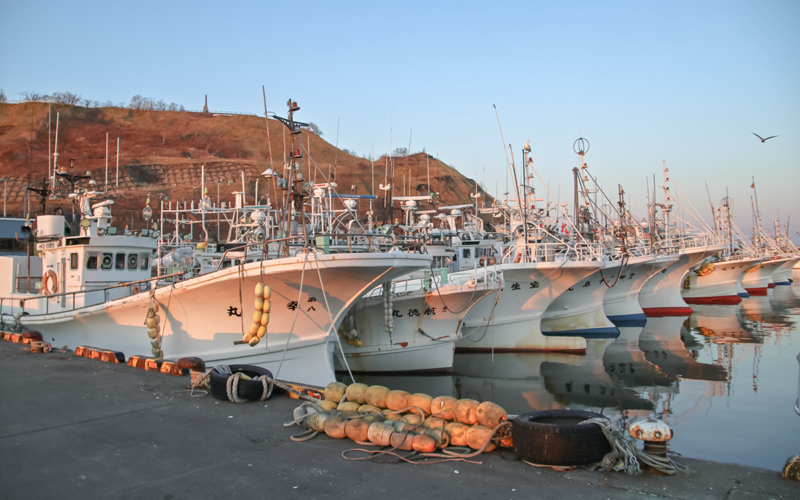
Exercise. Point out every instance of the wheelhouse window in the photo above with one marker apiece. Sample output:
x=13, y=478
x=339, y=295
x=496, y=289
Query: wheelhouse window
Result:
x=73, y=260
x=91, y=261
x=144, y=261
x=119, y=261
x=107, y=262
x=466, y=253
x=133, y=261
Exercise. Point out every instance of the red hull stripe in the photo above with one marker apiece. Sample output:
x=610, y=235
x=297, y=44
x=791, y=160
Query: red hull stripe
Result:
x=724, y=300
x=757, y=291
x=655, y=312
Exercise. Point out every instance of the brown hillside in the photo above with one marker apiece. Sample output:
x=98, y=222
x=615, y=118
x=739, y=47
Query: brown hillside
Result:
x=161, y=154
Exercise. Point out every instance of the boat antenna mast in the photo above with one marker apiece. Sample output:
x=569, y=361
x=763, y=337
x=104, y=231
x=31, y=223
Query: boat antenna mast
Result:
x=294, y=177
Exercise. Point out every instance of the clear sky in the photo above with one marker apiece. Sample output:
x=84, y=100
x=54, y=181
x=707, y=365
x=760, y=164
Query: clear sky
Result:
x=685, y=82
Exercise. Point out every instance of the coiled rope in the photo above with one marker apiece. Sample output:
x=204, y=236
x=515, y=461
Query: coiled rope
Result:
x=625, y=456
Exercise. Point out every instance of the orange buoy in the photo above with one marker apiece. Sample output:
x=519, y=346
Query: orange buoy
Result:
x=439, y=435
x=434, y=423
x=457, y=432
x=369, y=408
x=317, y=420
x=327, y=405
x=412, y=418
x=356, y=393
x=422, y=401
x=465, y=411
x=373, y=418
x=423, y=443
x=348, y=406
x=380, y=433
x=477, y=436
x=357, y=429
x=397, y=400
x=403, y=440
x=336, y=427
x=442, y=407
x=490, y=414
x=376, y=395
x=334, y=391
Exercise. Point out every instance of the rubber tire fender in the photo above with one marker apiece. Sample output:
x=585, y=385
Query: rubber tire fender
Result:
x=248, y=389
x=564, y=444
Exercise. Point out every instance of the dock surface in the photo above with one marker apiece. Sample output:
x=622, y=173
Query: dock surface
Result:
x=76, y=428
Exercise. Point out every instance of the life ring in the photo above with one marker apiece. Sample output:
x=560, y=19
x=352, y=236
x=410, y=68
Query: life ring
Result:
x=518, y=258
x=484, y=261
x=48, y=276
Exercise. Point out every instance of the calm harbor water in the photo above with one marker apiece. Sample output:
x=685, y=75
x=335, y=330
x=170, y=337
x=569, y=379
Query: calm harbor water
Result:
x=725, y=379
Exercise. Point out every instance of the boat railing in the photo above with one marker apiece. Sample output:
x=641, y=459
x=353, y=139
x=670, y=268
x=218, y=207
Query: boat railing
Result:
x=24, y=286
x=60, y=302
x=552, y=252
x=372, y=243
x=481, y=277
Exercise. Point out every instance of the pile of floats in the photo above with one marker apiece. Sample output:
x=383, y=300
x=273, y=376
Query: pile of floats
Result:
x=376, y=415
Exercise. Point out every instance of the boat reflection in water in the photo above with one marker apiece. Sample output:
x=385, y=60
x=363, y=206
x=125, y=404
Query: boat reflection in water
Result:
x=724, y=370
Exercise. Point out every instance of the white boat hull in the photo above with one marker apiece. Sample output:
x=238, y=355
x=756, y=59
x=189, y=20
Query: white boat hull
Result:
x=661, y=294
x=199, y=315
x=757, y=279
x=579, y=310
x=425, y=322
x=783, y=275
x=514, y=323
x=621, y=302
x=720, y=286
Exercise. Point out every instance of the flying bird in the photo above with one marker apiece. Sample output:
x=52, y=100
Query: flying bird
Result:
x=762, y=139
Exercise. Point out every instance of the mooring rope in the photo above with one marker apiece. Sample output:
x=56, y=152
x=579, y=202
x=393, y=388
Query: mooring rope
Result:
x=625, y=456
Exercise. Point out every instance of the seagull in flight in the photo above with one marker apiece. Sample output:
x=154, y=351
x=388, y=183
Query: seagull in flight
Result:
x=763, y=139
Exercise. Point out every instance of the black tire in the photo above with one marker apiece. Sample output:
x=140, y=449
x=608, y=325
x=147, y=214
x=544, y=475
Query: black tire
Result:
x=556, y=437
x=248, y=389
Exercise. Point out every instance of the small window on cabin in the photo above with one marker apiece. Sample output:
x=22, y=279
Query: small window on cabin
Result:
x=455, y=257
x=133, y=261
x=73, y=261
x=91, y=262
x=119, y=261
x=108, y=261
x=466, y=253
x=226, y=263
x=144, y=261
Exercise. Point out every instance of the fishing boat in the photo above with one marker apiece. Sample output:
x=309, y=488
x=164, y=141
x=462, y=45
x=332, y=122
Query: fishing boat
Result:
x=97, y=290
x=202, y=315
x=757, y=279
x=716, y=280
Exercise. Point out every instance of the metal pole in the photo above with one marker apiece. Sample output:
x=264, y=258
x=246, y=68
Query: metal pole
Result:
x=49, y=141
x=106, y=188
x=117, y=183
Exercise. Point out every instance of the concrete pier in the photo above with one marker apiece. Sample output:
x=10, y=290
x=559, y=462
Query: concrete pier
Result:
x=75, y=428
